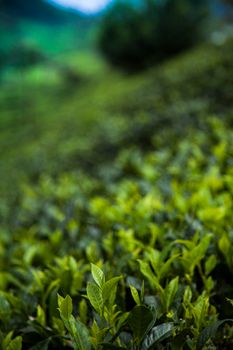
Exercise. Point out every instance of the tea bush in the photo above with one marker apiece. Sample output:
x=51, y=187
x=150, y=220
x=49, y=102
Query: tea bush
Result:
x=142, y=263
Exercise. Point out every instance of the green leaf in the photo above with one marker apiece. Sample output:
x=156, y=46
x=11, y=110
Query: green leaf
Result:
x=95, y=297
x=200, y=309
x=170, y=292
x=100, y=335
x=147, y=272
x=97, y=275
x=135, y=295
x=165, y=268
x=65, y=307
x=41, y=317
x=4, y=307
x=58, y=325
x=178, y=342
x=157, y=334
x=193, y=257
x=187, y=295
x=189, y=244
x=109, y=289
x=15, y=344
x=7, y=340
x=210, y=264
x=80, y=334
x=122, y=320
x=225, y=247
x=210, y=332
x=140, y=320
x=43, y=345
x=82, y=309
x=230, y=301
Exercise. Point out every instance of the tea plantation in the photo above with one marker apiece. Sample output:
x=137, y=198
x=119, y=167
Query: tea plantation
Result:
x=116, y=209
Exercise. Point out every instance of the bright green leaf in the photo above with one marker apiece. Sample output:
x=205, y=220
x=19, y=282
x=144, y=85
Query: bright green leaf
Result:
x=94, y=294
x=15, y=344
x=66, y=307
x=135, y=295
x=97, y=275
x=109, y=290
x=170, y=292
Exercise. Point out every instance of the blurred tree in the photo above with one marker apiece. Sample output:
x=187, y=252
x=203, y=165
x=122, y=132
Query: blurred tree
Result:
x=133, y=37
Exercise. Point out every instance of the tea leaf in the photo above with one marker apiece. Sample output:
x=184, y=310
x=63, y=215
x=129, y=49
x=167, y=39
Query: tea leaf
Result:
x=210, y=332
x=230, y=301
x=141, y=320
x=66, y=307
x=80, y=335
x=95, y=297
x=200, y=310
x=147, y=272
x=210, y=264
x=15, y=344
x=170, y=292
x=157, y=334
x=4, y=307
x=135, y=295
x=98, y=275
x=41, y=317
x=109, y=289
x=6, y=341
x=43, y=345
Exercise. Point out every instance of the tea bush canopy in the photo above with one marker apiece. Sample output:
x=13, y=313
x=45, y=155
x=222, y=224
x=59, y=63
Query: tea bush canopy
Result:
x=132, y=248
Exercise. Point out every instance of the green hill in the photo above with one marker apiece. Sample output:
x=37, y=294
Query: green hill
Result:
x=40, y=10
x=51, y=28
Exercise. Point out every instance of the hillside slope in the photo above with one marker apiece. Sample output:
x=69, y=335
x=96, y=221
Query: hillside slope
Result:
x=50, y=125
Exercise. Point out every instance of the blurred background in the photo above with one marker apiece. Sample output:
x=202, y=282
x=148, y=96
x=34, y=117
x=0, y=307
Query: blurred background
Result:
x=81, y=80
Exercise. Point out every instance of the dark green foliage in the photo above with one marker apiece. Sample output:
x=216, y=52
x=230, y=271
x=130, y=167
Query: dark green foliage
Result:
x=133, y=37
x=38, y=9
x=25, y=55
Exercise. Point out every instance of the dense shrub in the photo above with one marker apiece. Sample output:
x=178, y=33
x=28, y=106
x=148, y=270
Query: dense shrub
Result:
x=133, y=37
